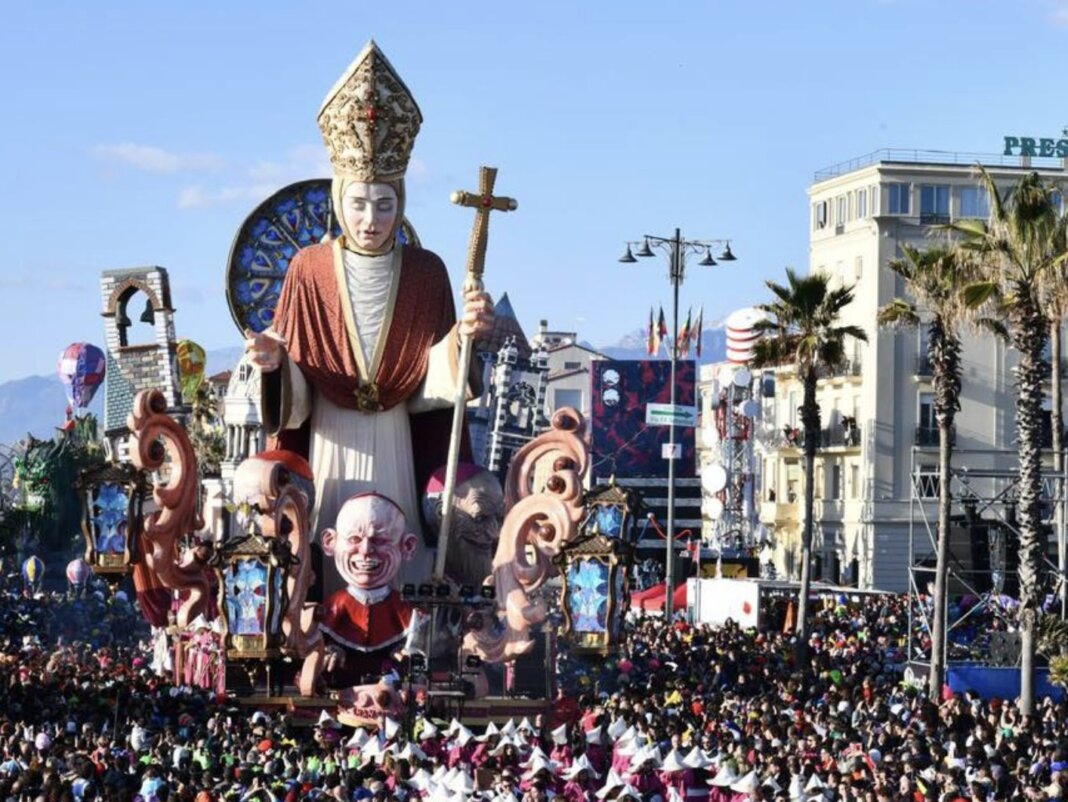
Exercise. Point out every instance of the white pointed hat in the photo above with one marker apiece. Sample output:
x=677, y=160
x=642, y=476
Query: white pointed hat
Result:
x=725, y=777
x=526, y=725
x=411, y=752
x=611, y=783
x=392, y=728
x=814, y=784
x=540, y=764
x=617, y=728
x=772, y=783
x=429, y=730
x=439, y=774
x=371, y=749
x=326, y=720
x=358, y=739
x=747, y=784
x=491, y=730
x=420, y=781
x=672, y=762
x=559, y=735
x=509, y=727
x=454, y=725
x=580, y=765
x=629, y=792
x=594, y=736
x=629, y=734
x=462, y=783
x=464, y=735
x=696, y=759
x=627, y=747
x=505, y=741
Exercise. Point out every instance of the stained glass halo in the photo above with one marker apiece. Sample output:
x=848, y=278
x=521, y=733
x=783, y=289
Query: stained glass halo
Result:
x=294, y=217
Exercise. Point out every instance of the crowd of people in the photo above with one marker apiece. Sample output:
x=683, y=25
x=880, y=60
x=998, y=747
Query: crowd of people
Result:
x=682, y=713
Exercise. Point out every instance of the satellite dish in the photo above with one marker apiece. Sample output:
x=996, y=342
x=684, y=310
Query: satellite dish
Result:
x=712, y=509
x=713, y=478
x=743, y=377
x=726, y=374
x=750, y=408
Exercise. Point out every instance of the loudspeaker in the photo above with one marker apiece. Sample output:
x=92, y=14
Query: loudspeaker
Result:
x=532, y=672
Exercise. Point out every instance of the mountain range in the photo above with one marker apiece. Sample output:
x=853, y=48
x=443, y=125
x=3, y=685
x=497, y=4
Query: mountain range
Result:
x=36, y=404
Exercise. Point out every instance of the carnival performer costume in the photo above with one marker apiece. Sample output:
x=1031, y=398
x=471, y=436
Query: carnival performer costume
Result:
x=370, y=364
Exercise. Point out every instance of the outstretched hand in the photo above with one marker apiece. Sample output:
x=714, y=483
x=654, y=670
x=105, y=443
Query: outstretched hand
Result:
x=265, y=349
x=478, y=318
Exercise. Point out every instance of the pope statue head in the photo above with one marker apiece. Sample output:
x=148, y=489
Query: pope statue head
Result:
x=370, y=541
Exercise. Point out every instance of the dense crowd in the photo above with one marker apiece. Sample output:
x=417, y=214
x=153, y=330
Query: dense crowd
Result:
x=682, y=713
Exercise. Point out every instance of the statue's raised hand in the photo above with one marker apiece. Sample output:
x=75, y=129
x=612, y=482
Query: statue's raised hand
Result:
x=265, y=349
x=477, y=318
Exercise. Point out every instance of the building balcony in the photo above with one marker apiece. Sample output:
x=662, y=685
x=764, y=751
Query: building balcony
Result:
x=774, y=512
x=927, y=436
x=923, y=367
x=841, y=437
x=846, y=368
x=933, y=218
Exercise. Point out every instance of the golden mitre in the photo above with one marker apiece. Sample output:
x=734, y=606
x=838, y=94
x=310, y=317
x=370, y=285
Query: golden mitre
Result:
x=370, y=120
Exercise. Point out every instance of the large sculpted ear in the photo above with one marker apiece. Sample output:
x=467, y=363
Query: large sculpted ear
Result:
x=408, y=543
x=329, y=540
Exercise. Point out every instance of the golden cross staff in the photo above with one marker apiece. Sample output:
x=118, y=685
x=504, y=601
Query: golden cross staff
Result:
x=484, y=202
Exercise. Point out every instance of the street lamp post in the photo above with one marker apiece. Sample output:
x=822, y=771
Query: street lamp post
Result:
x=676, y=248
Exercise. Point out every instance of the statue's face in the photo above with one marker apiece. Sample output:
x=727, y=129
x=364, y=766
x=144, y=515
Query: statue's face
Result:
x=369, y=211
x=479, y=510
x=369, y=544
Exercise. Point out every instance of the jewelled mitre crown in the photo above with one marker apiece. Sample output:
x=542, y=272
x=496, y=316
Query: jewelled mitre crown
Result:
x=370, y=120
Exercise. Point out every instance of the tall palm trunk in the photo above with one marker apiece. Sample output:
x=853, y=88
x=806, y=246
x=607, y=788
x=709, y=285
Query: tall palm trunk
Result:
x=810, y=421
x=1056, y=418
x=1029, y=331
x=944, y=351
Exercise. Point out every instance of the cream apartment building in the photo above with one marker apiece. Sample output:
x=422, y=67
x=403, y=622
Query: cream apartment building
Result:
x=877, y=409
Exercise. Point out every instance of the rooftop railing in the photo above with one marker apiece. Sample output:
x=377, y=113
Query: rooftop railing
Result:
x=911, y=156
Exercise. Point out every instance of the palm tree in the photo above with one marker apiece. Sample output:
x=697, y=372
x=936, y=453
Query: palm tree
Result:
x=1057, y=309
x=1019, y=251
x=937, y=281
x=803, y=329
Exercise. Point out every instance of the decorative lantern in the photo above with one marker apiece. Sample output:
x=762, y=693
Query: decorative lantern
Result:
x=595, y=567
x=252, y=572
x=113, y=498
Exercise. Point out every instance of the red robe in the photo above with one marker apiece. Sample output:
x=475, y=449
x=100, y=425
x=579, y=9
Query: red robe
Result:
x=370, y=633
x=310, y=315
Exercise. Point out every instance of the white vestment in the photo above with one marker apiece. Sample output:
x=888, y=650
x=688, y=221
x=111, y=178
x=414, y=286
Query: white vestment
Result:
x=351, y=451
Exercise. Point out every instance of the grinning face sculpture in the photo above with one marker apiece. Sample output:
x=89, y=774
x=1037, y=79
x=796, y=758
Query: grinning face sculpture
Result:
x=370, y=543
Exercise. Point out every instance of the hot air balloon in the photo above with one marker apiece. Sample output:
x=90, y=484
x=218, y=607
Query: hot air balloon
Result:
x=33, y=572
x=190, y=367
x=81, y=368
x=77, y=572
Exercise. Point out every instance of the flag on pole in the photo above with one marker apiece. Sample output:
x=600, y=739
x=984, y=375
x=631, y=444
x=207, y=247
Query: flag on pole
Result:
x=654, y=341
x=661, y=328
x=699, y=330
x=682, y=347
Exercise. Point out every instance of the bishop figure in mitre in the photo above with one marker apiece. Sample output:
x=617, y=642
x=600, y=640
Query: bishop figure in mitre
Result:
x=360, y=366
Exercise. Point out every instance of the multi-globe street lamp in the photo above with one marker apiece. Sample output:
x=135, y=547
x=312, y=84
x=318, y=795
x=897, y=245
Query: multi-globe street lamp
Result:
x=676, y=248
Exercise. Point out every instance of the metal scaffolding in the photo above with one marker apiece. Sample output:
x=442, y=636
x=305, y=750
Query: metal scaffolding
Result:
x=983, y=490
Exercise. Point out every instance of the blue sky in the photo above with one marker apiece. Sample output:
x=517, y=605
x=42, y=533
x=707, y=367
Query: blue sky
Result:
x=144, y=133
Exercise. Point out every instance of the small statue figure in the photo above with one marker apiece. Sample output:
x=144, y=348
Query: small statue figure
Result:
x=366, y=622
x=478, y=512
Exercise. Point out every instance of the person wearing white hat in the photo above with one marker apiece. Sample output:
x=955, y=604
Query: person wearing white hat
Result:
x=542, y=773
x=581, y=780
x=596, y=750
x=561, y=751
x=612, y=782
x=725, y=777
x=487, y=742
x=644, y=776
x=747, y=784
x=463, y=746
x=431, y=740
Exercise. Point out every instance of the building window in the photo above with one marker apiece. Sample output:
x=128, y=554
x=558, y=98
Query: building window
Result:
x=934, y=203
x=898, y=198
x=834, y=491
x=572, y=365
x=974, y=203
x=563, y=397
x=842, y=213
x=927, y=430
x=820, y=213
x=858, y=267
x=854, y=481
x=862, y=204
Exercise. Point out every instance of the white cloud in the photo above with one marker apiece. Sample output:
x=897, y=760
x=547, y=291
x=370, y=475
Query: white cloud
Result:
x=1059, y=13
x=261, y=180
x=153, y=159
x=195, y=197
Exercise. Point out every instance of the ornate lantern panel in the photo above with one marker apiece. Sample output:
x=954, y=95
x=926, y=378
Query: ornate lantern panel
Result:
x=113, y=498
x=595, y=567
x=252, y=594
